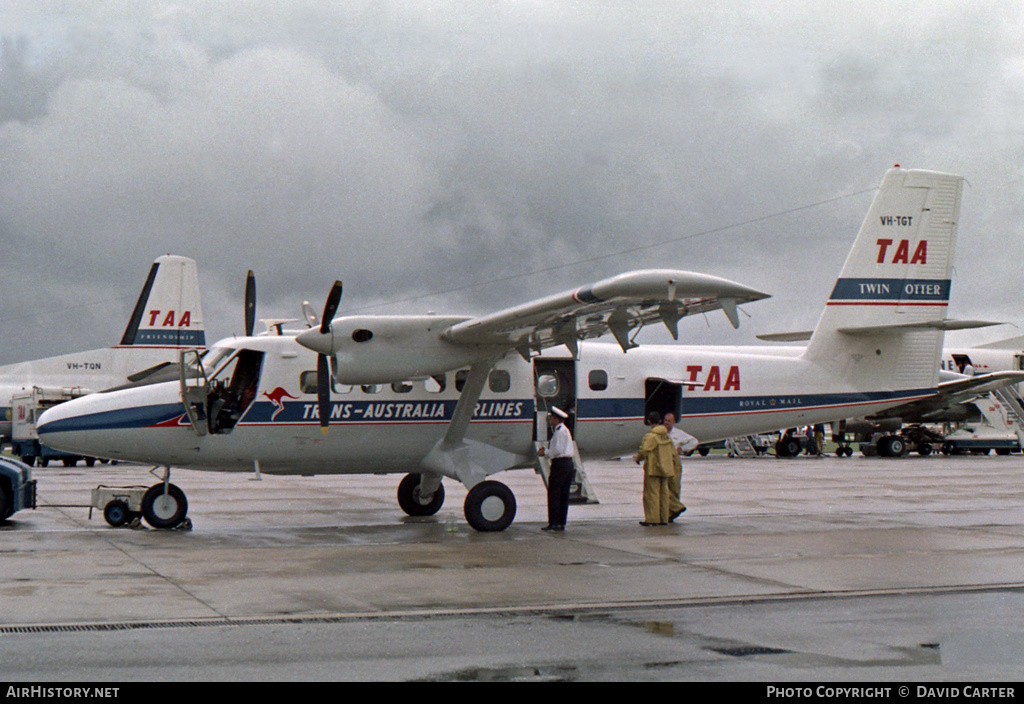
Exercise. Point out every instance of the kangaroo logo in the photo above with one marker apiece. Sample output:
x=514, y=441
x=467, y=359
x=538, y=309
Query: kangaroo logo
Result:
x=277, y=397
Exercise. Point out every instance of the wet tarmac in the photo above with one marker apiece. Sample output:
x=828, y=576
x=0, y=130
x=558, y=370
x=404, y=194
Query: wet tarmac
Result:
x=781, y=570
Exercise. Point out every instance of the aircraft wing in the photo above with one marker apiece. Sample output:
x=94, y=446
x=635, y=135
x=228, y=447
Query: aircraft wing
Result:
x=955, y=392
x=617, y=305
x=372, y=349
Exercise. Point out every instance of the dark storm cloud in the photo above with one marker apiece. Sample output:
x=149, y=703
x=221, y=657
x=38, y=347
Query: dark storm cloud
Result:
x=415, y=148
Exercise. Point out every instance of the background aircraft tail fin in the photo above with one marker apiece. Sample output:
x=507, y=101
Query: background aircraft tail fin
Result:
x=168, y=312
x=887, y=311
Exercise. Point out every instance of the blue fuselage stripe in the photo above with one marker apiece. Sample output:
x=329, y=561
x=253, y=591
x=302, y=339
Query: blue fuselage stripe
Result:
x=302, y=412
x=892, y=290
x=138, y=417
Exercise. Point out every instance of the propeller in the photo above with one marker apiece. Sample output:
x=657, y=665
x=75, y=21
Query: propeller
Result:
x=323, y=364
x=250, y=303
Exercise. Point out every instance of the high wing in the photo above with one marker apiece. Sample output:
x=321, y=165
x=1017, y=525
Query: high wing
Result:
x=953, y=393
x=376, y=349
x=617, y=305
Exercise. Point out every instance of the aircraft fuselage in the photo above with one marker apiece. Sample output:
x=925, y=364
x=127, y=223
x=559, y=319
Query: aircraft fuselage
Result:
x=716, y=392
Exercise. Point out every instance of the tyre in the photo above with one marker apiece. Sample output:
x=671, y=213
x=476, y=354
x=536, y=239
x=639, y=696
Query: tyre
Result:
x=490, y=507
x=116, y=513
x=897, y=446
x=6, y=502
x=787, y=447
x=409, y=497
x=924, y=449
x=164, y=510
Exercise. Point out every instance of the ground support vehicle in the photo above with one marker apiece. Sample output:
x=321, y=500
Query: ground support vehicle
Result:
x=25, y=409
x=912, y=438
x=980, y=440
x=121, y=505
x=17, y=487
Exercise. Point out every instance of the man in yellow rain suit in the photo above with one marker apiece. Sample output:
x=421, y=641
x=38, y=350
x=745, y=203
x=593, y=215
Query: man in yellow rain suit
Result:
x=659, y=458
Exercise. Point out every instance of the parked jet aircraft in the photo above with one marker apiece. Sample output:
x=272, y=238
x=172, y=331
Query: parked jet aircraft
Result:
x=385, y=391
x=167, y=318
x=967, y=374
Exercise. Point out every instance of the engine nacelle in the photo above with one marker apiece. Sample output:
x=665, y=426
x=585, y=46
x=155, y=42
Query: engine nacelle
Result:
x=376, y=349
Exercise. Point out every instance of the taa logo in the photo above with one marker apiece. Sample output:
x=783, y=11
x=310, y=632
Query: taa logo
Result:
x=713, y=381
x=170, y=319
x=900, y=254
x=277, y=397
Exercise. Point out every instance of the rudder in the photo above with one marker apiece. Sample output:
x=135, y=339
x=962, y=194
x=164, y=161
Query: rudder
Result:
x=883, y=323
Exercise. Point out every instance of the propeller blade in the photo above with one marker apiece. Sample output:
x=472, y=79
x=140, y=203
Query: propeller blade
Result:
x=250, y=303
x=331, y=307
x=310, y=315
x=323, y=391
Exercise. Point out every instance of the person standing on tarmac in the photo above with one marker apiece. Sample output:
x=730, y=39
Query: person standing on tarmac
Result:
x=659, y=459
x=560, y=452
x=682, y=442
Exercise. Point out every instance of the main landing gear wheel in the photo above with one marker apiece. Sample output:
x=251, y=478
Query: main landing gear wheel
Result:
x=787, y=447
x=892, y=446
x=409, y=497
x=490, y=507
x=164, y=509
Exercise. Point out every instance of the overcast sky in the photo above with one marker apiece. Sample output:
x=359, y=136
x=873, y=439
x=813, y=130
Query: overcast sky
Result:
x=437, y=155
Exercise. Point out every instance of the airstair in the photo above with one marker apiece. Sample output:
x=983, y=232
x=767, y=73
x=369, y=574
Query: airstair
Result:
x=1011, y=411
x=741, y=446
x=580, y=492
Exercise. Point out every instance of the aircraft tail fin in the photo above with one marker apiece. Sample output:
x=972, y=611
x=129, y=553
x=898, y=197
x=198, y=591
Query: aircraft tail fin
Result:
x=888, y=308
x=169, y=312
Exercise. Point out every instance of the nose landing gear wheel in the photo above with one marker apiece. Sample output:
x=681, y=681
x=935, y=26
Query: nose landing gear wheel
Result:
x=164, y=510
x=490, y=507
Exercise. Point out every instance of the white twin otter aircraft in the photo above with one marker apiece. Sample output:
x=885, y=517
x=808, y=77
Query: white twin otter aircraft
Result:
x=464, y=398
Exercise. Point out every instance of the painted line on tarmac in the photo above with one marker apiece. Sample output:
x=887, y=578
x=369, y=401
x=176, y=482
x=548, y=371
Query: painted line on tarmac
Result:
x=533, y=609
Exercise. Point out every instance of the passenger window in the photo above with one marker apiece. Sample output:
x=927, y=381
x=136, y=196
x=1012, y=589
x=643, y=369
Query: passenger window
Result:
x=499, y=381
x=460, y=379
x=435, y=384
x=598, y=380
x=401, y=387
x=307, y=382
x=371, y=388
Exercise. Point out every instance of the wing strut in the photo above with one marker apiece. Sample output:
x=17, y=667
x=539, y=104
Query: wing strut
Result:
x=469, y=461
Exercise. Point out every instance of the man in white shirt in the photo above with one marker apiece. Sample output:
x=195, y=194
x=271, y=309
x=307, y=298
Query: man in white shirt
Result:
x=683, y=442
x=560, y=452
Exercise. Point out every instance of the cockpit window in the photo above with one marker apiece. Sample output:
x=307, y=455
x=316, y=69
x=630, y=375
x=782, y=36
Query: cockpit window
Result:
x=213, y=358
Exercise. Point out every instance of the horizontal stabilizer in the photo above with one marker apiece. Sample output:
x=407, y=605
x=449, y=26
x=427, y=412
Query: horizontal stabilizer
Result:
x=799, y=336
x=1013, y=343
x=923, y=325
